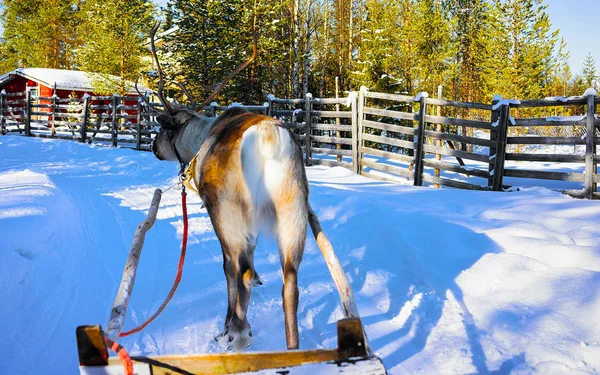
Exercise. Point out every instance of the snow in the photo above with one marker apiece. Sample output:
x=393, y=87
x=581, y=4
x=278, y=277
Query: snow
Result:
x=447, y=281
x=420, y=95
x=502, y=102
x=271, y=97
x=590, y=92
x=565, y=118
x=63, y=79
x=352, y=96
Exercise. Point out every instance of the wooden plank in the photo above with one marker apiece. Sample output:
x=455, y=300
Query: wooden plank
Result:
x=231, y=363
x=287, y=113
x=83, y=127
x=558, y=158
x=451, y=103
x=307, y=123
x=15, y=94
x=388, y=141
x=544, y=175
x=2, y=120
x=396, y=170
x=433, y=163
x=288, y=101
x=331, y=114
x=544, y=122
x=375, y=176
x=332, y=127
x=54, y=136
x=330, y=163
x=388, y=155
x=113, y=122
x=460, y=138
x=331, y=151
x=396, y=97
x=545, y=141
x=451, y=183
x=360, y=127
x=590, y=148
x=389, y=113
x=329, y=101
x=354, y=126
x=456, y=153
x=420, y=142
x=550, y=102
x=458, y=122
x=500, y=155
x=335, y=140
x=389, y=127
x=28, y=112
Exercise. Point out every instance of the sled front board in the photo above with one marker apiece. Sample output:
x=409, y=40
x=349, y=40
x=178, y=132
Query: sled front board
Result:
x=351, y=357
x=305, y=362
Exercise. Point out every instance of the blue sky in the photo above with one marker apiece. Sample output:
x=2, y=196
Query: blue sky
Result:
x=578, y=23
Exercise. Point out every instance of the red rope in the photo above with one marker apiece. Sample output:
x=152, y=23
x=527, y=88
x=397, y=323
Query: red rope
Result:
x=123, y=355
x=179, y=271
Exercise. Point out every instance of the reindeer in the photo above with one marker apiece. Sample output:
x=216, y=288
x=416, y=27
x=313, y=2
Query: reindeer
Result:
x=248, y=170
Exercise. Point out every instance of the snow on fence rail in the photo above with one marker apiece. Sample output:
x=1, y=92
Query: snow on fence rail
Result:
x=420, y=140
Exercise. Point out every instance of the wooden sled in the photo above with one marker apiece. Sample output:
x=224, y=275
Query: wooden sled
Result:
x=352, y=355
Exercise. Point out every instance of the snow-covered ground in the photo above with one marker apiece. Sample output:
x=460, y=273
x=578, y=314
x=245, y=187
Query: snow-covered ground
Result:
x=447, y=281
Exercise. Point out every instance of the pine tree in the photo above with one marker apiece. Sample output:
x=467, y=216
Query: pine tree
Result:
x=524, y=27
x=40, y=33
x=589, y=70
x=115, y=33
x=471, y=27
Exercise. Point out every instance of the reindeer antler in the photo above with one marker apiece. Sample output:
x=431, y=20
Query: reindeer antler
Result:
x=161, y=77
x=143, y=96
x=186, y=92
x=230, y=76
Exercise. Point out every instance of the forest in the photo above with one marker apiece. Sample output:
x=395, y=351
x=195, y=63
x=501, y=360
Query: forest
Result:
x=473, y=48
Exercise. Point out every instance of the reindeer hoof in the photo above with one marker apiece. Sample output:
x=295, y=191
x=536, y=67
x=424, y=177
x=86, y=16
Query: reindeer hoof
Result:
x=236, y=340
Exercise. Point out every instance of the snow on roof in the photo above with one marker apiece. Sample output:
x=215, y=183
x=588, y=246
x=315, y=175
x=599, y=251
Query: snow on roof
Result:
x=62, y=79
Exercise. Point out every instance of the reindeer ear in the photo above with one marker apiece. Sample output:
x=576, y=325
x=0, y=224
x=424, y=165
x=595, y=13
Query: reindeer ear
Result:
x=166, y=121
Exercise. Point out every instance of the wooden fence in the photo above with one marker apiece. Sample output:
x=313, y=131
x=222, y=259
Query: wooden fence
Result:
x=419, y=140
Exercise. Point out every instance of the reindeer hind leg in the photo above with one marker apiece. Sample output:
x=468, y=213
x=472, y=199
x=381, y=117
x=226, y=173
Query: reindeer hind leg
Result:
x=291, y=235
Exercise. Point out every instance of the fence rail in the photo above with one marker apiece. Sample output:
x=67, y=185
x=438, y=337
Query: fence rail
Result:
x=391, y=137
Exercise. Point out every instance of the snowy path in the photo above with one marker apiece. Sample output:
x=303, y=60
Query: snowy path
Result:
x=447, y=281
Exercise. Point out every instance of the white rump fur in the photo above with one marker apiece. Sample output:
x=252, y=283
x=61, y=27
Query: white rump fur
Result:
x=267, y=157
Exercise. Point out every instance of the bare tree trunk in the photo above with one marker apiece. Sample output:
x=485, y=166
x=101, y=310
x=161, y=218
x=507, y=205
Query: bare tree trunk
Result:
x=295, y=49
x=307, y=64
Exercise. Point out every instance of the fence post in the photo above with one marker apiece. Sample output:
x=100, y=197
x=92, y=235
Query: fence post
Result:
x=337, y=119
x=498, y=171
x=494, y=136
x=359, y=129
x=86, y=102
x=270, y=109
x=590, y=148
x=418, y=180
x=53, y=131
x=353, y=103
x=114, y=134
x=28, y=110
x=438, y=142
x=138, y=126
x=307, y=121
x=2, y=120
